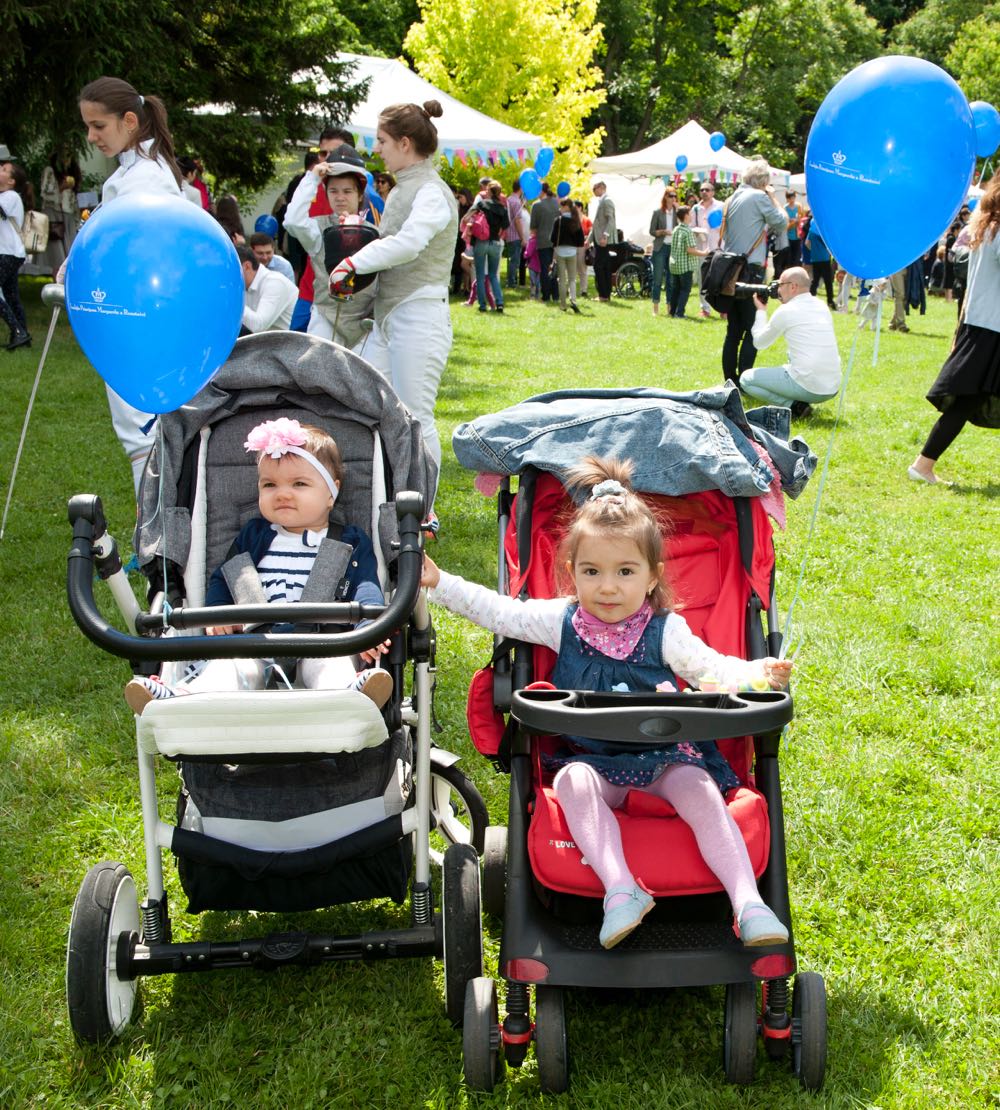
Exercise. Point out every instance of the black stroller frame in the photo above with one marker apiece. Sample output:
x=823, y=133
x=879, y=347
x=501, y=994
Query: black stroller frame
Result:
x=114, y=940
x=550, y=941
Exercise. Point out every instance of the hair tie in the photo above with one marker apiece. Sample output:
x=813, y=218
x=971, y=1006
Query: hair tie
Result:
x=607, y=488
x=277, y=438
x=142, y=99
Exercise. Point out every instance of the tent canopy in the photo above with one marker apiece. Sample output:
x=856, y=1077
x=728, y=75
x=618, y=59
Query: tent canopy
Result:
x=691, y=140
x=462, y=131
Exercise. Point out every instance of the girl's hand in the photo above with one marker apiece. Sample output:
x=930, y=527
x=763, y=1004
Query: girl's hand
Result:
x=430, y=576
x=372, y=654
x=777, y=672
x=224, y=630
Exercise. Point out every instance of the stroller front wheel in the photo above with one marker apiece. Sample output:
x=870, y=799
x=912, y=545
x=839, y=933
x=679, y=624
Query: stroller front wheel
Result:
x=550, y=1040
x=739, y=1038
x=809, y=1029
x=106, y=910
x=482, y=1045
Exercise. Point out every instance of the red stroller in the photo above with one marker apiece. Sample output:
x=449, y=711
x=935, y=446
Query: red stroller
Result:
x=722, y=561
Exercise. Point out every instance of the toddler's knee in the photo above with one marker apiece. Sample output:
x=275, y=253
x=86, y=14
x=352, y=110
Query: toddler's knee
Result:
x=577, y=779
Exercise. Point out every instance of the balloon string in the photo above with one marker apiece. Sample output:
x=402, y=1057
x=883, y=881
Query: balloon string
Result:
x=786, y=633
x=27, y=418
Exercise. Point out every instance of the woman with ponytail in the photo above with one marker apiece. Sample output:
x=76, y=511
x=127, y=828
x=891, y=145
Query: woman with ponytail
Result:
x=413, y=258
x=132, y=128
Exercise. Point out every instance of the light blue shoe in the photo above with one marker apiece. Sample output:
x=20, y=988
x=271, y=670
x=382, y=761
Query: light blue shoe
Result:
x=760, y=928
x=620, y=921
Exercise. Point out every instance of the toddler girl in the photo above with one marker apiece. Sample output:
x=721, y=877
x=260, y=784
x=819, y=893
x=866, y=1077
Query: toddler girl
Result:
x=299, y=478
x=534, y=264
x=619, y=631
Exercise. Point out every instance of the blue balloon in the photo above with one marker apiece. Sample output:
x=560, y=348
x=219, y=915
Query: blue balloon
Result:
x=715, y=218
x=563, y=189
x=895, y=136
x=531, y=184
x=717, y=140
x=681, y=163
x=154, y=293
x=971, y=203
x=543, y=163
x=268, y=225
x=987, y=123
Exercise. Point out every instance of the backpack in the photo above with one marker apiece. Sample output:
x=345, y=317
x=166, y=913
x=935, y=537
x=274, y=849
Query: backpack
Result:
x=479, y=225
x=35, y=232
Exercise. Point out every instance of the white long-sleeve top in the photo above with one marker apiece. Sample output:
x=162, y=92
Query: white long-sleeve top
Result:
x=541, y=622
x=138, y=173
x=806, y=324
x=10, y=225
x=297, y=218
x=428, y=217
x=269, y=301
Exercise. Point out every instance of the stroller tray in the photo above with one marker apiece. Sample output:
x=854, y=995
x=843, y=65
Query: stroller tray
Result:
x=654, y=719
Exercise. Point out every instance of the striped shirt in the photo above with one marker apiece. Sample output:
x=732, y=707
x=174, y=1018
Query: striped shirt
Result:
x=680, y=261
x=286, y=565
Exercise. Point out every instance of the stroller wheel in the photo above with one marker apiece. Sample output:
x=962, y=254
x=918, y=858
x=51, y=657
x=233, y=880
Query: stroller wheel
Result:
x=809, y=1029
x=463, y=927
x=739, y=1037
x=550, y=1039
x=495, y=870
x=106, y=909
x=481, y=1052
x=457, y=808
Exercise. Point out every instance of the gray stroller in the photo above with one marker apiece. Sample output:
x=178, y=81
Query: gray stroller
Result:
x=290, y=799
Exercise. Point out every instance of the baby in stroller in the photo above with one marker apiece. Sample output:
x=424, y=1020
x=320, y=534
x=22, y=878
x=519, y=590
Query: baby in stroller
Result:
x=300, y=474
x=619, y=633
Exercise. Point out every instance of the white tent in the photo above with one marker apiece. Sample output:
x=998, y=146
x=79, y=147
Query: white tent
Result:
x=463, y=132
x=691, y=140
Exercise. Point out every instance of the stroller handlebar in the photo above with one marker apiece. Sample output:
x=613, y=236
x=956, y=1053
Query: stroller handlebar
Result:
x=87, y=517
x=650, y=718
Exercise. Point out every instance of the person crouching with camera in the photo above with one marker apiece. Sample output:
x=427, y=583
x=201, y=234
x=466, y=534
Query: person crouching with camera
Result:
x=812, y=372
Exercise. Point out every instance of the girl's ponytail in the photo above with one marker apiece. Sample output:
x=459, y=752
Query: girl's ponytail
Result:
x=153, y=125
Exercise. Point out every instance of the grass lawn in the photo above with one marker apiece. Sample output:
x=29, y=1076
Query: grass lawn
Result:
x=889, y=771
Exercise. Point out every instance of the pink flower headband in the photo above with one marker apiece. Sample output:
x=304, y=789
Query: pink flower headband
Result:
x=277, y=438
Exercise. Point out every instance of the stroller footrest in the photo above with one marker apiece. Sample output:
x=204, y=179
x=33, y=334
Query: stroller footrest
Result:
x=286, y=722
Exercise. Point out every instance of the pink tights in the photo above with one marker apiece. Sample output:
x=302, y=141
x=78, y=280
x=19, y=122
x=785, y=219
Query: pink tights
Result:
x=587, y=800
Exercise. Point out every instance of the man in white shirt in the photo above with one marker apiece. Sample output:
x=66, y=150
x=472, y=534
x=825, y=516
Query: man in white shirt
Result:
x=269, y=298
x=262, y=246
x=812, y=372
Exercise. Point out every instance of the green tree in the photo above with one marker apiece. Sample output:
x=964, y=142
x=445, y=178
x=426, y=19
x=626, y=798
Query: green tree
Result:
x=974, y=59
x=931, y=32
x=527, y=64
x=659, y=61
x=241, y=54
x=378, y=28
x=781, y=59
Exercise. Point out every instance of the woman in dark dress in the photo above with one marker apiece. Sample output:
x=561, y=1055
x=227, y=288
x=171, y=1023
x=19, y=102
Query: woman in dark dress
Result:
x=968, y=388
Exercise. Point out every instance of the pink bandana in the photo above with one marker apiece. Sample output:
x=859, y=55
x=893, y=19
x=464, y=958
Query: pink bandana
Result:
x=617, y=641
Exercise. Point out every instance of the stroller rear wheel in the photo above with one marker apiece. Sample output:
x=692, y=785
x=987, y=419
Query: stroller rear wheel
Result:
x=482, y=1056
x=457, y=808
x=105, y=912
x=739, y=1038
x=550, y=1039
x=463, y=927
x=809, y=1029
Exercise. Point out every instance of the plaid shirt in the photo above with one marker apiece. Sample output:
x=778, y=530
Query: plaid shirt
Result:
x=680, y=261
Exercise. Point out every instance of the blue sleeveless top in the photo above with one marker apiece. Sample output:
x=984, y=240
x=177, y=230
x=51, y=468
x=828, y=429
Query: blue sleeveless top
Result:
x=582, y=667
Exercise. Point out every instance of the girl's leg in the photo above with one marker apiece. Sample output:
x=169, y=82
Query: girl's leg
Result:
x=493, y=254
x=693, y=793
x=11, y=301
x=563, y=266
x=587, y=800
x=479, y=258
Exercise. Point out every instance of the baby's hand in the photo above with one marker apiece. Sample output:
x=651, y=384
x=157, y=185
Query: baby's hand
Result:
x=777, y=672
x=372, y=654
x=430, y=576
x=224, y=629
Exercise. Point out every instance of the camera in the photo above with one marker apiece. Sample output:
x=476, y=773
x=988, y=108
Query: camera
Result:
x=745, y=291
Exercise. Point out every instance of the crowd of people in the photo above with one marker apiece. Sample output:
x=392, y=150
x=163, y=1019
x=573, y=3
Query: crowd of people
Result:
x=368, y=259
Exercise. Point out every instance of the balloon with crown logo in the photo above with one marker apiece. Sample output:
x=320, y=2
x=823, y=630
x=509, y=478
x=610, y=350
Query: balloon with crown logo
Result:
x=154, y=293
x=889, y=159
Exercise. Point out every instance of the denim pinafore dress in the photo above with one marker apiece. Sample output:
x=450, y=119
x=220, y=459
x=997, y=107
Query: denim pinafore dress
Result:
x=582, y=667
